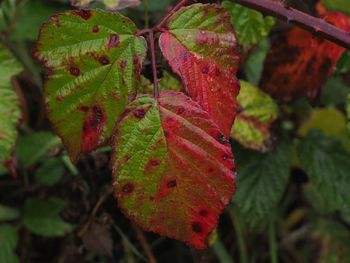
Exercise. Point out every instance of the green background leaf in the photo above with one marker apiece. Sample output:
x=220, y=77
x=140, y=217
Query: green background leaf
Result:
x=327, y=165
x=338, y=5
x=8, y=241
x=42, y=217
x=250, y=25
x=261, y=182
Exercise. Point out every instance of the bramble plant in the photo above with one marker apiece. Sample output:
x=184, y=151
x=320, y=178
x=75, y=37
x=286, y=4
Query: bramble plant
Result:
x=186, y=145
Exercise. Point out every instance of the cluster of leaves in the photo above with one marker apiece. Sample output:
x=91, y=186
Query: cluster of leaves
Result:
x=171, y=156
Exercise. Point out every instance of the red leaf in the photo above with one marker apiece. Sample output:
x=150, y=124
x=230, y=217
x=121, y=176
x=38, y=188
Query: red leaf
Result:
x=203, y=52
x=173, y=168
x=299, y=63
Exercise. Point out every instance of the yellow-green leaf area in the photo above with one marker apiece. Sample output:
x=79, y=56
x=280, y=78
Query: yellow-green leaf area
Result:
x=257, y=111
x=9, y=104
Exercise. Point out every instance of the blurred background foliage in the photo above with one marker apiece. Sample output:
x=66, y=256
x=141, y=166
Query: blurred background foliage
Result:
x=292, y=202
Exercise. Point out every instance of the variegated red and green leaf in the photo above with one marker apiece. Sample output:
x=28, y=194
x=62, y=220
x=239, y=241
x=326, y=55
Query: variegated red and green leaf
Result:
x=299, y=63
x=201, y=47
x=93, y=60
x=173, y=168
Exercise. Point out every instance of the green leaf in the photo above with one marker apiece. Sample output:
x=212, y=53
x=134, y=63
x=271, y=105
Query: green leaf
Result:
x=338, y=5
x=9, y=105
x=42, y=217
x=7, y=12
x=334, y=240
x=8, y=213
x=252, y=125
x=255, y=63
x=250, y=25
x=173, y=169
x=35, y=147
x=95, y=81
x=327, y=165
x=348, y=111
x=31, y=14
x=261, y=182
x=334, y=92
x=50, y=172
x=8, y=241
x=331, y=121
x=343, y=65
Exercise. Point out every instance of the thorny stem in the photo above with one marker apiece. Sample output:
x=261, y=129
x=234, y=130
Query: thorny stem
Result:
x=315, y=25
x=154, y=64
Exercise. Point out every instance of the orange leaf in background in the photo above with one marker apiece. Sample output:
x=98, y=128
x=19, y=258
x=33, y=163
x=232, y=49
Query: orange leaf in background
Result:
x=299, y=63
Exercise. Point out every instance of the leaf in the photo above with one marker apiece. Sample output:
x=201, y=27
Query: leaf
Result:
x=8, y=241
x=50, y=172
x=200, y=46
x=7, y=12
x=31, y=14
x=10, y=112
x=348, y=111
x=173, y=168
x=42, y=217
x=93, y=73
x=253, y=121
x=167, y=82
x=250, y=25
x=110, y=4
x=261, y=182
x=343, y=65
x=35, y=147
x=254, y=64
x=298, y=64
x=334, y=92
x=8, y=214
x=338, y=5
x=331, y=121
x=327, y=165
x=334, y=242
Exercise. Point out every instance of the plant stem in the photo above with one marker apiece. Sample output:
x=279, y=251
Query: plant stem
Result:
x=243, y=256
x=165, y=19
x=272, y=242
x=312, y=24
x=154, y=64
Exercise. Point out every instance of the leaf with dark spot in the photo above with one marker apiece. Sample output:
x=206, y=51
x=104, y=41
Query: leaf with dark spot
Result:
x=299, y=63
x=172, y=192
x=201, y=47
x=86, y=90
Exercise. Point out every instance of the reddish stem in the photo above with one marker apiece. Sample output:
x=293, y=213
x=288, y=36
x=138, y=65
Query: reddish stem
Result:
x=166, y=18
x=154, y=64
x=315, y=25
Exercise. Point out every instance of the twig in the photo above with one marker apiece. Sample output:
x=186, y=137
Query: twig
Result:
x=144, y=243
x=154, y=64
x=315, y=25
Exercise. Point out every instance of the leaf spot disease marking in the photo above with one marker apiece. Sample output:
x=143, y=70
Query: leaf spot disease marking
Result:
x=123, y=64
x=222, y=139
x=154, y=162
x=104, y=60
x=140, y=113
x=205, y=70
x=203, y=213
x=196, y=227
x=113, y=41
x=84, y=108
x=83, y=13
x=95, y=28
x=217, y=72
x=171, y=183
x=96, y=117
x=128, y=188
x=180, y=110
x=74, y=71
